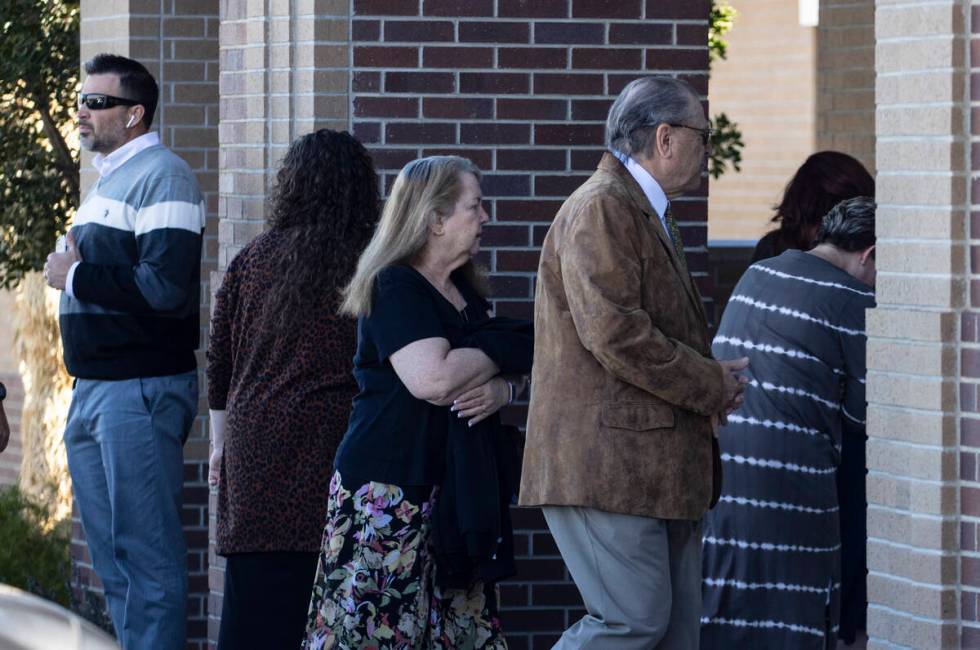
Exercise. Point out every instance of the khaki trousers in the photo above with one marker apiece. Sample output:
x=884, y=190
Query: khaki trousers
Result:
x=640, y=579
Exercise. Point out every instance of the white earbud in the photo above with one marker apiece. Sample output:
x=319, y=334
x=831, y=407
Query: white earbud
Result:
x=130, y=122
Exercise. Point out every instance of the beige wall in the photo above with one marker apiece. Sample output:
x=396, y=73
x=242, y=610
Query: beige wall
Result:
x=793, y=90
x=10, y=376
x=767, y=85
x=846, y=79
x=8, y=362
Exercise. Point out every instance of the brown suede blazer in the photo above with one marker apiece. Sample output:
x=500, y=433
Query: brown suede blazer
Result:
x=623, y=385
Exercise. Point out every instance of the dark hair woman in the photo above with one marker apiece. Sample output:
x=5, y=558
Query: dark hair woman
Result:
x=280, y=385
x=825, y=179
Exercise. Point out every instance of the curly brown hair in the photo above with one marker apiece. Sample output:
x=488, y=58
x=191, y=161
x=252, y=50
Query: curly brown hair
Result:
x=326, y=205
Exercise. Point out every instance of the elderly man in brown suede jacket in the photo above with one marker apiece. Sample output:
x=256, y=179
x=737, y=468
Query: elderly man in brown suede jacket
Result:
x=620, y=432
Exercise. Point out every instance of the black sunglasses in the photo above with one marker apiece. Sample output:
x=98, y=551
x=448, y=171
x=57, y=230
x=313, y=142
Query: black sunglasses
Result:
x=98, y=101
x=705, y=133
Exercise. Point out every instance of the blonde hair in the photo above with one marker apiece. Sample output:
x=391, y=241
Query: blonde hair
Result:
x=425, y=189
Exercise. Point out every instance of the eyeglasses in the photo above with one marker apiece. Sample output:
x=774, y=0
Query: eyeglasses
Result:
x=705, y=133
x=98, y=101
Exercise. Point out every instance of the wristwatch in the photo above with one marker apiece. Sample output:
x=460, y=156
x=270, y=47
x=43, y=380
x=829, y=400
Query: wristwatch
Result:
x=3, y=392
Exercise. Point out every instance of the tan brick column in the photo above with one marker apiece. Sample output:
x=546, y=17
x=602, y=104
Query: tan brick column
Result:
x=105, y=28
x=913, y=510
x=178, y=43
x=969, y=374
x=284, y=73
x=846, y=78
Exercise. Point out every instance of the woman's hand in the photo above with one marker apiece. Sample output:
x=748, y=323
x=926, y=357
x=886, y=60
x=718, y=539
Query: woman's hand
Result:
x=483, y=401
x=219, y=420
x=214, y=465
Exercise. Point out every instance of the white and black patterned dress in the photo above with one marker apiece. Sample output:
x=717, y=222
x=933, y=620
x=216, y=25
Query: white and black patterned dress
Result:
x=772, y=545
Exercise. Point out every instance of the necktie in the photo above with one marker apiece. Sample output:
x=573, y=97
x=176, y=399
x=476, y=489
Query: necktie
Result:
x=675, y=235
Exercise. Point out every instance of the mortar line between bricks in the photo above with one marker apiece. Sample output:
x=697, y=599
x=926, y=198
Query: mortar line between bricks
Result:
x=517, y=20
x=933, y=586
x=917, y=550
x=905, y=478
x=909, y=615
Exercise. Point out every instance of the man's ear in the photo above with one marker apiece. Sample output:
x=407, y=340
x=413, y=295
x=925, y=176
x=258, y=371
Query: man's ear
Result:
x=136, y=116
x=662, y=141
x=867, y=253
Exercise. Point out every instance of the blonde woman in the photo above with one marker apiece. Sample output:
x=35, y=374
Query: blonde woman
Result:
x=415, y=291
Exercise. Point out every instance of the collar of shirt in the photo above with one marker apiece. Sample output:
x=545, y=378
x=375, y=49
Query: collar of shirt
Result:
x=651, y=188
x=110, y=163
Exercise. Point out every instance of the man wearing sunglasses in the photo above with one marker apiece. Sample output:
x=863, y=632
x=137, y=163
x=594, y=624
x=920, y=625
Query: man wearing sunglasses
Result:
x=129, y=325
x=619, y=448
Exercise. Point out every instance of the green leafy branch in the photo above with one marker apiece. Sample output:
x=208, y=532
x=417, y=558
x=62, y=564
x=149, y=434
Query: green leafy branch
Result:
x=39, y=180
x=726, y=146
x=721, y=19
x=726, y=143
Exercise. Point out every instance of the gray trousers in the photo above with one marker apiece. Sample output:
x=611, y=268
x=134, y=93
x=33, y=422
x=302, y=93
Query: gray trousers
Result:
x=640, y=579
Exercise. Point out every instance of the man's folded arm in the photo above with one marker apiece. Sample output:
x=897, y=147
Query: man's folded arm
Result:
x=168, y=241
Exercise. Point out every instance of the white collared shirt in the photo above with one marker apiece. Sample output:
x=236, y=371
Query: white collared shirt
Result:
x=651, y=188
x=105, y=165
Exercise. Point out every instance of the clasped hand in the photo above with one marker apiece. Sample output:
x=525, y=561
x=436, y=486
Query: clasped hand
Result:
x=483, y=401
x=58, y=264
x=734, y=386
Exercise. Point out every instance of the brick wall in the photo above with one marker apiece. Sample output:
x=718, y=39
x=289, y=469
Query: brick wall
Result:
x=189, y=97
x=521, y=88
x=821, y=96
x=284, y=72
x=969, y=393
x=177, y=41
x=774, y=108
x=846, y=79
x=914, y=502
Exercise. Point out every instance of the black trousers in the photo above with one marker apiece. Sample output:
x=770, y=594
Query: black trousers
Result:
x=267, y=597
x=851, y=475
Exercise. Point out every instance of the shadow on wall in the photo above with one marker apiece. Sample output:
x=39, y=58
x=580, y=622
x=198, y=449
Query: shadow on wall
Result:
x=726, y=264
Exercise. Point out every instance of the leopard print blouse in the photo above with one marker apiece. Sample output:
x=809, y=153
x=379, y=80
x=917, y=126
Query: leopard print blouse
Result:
x=287, y=405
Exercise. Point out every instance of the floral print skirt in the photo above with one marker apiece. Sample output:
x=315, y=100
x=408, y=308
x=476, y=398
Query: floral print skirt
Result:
x=375, y=581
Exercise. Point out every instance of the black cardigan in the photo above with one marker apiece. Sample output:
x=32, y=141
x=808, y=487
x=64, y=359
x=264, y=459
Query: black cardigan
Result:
x=471, y=529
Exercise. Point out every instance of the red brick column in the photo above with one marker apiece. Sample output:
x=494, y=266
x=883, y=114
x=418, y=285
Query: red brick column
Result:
x=189, y=88
x=521, y=88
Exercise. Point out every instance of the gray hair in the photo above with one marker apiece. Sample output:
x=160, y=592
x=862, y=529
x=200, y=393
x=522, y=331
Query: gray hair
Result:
x=850, y=225
x=644, y=104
